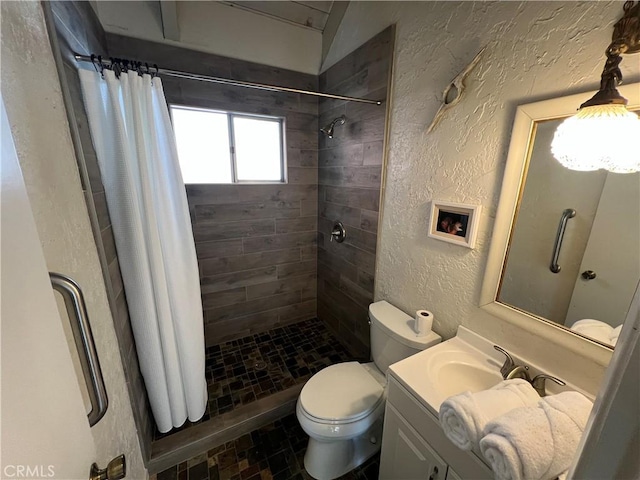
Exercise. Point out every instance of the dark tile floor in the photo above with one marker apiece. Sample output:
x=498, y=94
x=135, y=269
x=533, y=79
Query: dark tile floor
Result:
x=245, y=370
x=273, y=452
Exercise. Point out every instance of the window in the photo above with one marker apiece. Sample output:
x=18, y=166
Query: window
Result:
x=226, y=147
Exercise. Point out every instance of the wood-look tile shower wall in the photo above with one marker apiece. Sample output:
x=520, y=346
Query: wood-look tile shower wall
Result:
x=350, y=169
x=256, y=244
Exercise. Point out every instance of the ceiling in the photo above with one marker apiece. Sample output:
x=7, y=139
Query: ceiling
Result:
x=312, y=14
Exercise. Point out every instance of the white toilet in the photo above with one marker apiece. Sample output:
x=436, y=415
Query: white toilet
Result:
x=341, y=407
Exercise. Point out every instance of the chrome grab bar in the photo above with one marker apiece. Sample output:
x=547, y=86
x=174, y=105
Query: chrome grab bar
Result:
x=74, y=302
x=566, y=215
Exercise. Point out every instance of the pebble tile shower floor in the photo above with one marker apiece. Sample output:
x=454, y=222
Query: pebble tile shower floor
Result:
x=245, y=370
x=273, y=452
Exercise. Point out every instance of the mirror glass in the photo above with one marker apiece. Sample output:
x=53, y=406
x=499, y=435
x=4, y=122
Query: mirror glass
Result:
x=597, y=265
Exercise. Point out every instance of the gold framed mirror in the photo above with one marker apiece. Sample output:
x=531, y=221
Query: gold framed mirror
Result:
x=537, y=197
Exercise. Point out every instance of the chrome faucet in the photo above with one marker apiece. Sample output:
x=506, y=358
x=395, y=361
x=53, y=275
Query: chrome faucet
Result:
x=520, y=371
x=509, y=369
x=538, y=383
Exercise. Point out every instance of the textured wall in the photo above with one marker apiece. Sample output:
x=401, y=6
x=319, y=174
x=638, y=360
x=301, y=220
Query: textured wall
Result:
x=256, y=244
x=36, y=111
x=350, y=173
x=535, y=50
x=78, y=31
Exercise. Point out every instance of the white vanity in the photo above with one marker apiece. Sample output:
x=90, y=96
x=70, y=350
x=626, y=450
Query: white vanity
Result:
x=415, y=447
x=413, y=443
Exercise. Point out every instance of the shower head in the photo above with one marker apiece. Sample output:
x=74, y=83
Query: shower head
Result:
x=328, y=130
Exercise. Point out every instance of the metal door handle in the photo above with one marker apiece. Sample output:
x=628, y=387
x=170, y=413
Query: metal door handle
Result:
x=116, y=470
x=566, y=215
x=434, y=473
x=76, y=308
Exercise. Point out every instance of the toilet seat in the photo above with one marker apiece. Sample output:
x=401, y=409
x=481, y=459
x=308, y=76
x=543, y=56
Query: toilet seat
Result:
x=342, y=407
x=342, y=393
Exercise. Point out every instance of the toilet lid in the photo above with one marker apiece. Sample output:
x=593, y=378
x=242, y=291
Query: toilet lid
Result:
x=343, y=392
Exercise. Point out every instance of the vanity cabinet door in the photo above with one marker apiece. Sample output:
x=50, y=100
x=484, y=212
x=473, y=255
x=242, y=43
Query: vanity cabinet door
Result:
x=405, y=455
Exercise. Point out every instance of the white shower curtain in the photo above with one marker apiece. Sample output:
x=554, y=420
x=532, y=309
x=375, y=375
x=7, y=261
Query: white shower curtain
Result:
x=134, y=142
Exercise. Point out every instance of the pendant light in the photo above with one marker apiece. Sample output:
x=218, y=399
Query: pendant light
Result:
x=604, y=134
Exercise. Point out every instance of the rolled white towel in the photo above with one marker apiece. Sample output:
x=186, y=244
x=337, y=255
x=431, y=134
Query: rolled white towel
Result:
x=593, y=328
x=464, y=416
x=613, y=339
x=536, y=443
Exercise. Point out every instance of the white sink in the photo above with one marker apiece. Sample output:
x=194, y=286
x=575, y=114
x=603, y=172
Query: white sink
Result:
x=457, y=377
x=467, y=362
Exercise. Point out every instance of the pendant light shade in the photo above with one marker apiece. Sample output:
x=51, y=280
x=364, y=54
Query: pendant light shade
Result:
x=599, y=137
x=604, y=134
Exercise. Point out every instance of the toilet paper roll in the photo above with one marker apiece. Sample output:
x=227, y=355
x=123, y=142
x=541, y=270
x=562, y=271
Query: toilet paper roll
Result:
x=423, y=322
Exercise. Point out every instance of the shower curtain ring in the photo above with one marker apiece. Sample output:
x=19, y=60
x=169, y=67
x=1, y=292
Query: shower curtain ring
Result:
x=95, y=61
x=115, y=66
x=101, y=66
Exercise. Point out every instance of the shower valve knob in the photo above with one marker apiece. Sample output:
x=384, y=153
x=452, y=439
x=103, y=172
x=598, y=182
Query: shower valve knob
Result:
x=338, y=233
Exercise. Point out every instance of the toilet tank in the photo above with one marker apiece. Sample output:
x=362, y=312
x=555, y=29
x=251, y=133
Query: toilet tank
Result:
x=393, y=337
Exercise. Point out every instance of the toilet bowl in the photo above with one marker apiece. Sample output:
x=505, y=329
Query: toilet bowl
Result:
x=341, y=407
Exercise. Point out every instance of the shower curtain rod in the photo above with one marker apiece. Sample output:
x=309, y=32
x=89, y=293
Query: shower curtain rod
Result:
x=236, y=83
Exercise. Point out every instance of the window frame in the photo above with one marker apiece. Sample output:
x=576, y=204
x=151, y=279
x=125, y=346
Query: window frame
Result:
x=232, y=144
